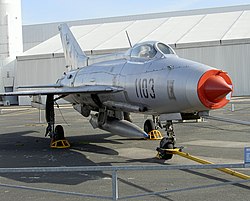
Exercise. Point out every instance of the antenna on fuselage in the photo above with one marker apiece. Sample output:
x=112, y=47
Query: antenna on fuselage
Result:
x=130, y=44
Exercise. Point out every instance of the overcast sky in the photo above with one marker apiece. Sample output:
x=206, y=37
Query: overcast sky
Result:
x=35, y=12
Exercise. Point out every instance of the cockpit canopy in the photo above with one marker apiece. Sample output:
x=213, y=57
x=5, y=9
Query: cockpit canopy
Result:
x=150, y=50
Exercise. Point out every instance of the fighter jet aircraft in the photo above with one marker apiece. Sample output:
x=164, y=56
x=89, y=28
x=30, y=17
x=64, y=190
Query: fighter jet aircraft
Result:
x=149, y=78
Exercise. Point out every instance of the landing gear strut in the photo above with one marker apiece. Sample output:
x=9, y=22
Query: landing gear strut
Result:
x=167, y=142
x=50, y=115
x=56, y=133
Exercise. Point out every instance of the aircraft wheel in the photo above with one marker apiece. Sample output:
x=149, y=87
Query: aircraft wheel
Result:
x=59, y=133
x=149, y=125
x=166, y=143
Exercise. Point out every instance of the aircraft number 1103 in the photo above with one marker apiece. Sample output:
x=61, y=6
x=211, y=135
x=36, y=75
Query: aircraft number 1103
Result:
x=145, y=88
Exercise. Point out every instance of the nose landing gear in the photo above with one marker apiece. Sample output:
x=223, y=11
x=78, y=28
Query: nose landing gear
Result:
x=167, y=142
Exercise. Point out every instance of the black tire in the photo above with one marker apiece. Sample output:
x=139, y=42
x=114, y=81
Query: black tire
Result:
x=166, y=143
x=149, y=125
x=127, y=116
x=59, y=133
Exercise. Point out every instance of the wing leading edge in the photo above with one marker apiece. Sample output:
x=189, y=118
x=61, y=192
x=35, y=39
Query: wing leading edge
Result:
x=66, y=91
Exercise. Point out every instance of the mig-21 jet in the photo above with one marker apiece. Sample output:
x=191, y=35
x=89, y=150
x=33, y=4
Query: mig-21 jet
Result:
x=148, y=79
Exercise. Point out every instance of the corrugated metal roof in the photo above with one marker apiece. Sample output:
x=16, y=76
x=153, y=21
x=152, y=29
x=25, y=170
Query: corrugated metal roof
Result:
x=211, y=28
x=181, y=31
x=174, y=29
x=241, y=28
x=136, y=30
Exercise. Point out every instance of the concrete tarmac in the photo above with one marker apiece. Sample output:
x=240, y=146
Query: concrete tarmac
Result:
x=22, y=144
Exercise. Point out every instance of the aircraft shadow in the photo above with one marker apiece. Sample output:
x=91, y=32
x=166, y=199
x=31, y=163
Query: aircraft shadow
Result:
x=21, y=149
x=87, y=143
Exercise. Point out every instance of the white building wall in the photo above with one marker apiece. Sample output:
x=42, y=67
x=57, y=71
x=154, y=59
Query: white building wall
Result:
x=39, y=71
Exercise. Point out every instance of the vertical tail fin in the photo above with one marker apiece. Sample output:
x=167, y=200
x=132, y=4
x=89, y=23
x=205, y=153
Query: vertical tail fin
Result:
x=73, y=53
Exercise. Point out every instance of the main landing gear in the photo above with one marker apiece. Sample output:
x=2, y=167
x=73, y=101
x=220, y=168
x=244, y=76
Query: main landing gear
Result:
x=167, y=142
x=56, y=133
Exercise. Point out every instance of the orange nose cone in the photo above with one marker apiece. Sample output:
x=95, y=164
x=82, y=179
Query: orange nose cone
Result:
x=214, y=89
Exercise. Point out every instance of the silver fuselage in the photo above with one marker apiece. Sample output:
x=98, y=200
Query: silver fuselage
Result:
x=161, y=85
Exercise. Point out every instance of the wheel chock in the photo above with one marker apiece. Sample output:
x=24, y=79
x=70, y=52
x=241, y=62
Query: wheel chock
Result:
x=178, y=151
x=154, y=135
x=59, y=144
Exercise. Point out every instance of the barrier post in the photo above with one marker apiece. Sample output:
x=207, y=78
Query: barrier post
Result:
x=115, y=195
